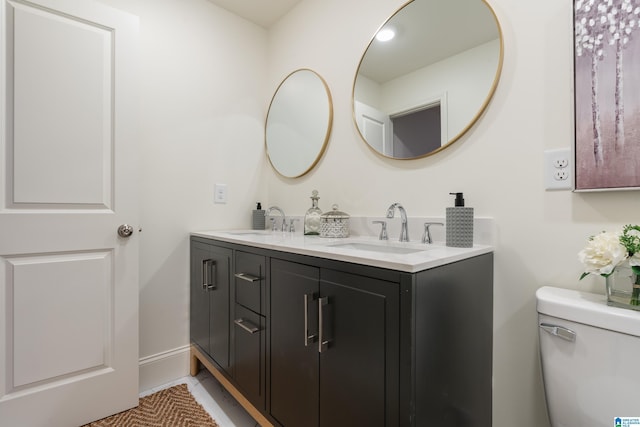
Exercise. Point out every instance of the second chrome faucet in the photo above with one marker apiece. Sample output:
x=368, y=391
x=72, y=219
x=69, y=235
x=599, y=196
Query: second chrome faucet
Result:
x=404, y=231
x=273, y=223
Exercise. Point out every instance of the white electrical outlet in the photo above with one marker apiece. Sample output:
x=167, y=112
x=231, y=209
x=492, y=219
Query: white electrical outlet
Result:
x=220, y=193
x=561, y=162
x=558, y=173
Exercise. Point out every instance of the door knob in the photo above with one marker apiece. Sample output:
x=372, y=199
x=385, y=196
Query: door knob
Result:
x=125, y=230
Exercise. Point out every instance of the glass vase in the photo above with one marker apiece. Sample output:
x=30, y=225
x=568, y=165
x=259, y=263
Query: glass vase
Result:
x=623, y=288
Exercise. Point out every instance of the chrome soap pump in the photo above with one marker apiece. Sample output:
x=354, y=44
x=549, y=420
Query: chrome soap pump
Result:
x=459, y=227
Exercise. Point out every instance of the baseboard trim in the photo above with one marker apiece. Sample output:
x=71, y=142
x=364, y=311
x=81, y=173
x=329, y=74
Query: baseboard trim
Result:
x=164, y=367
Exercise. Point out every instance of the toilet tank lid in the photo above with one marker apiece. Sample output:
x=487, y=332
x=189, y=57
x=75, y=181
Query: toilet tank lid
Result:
x=587, y=308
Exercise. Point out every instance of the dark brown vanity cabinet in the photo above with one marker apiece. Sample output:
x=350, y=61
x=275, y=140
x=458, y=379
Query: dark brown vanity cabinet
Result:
x=308, y=341
x=209, y=303
x=334, y=347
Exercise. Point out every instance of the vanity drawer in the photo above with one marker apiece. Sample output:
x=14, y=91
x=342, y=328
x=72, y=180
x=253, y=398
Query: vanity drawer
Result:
x=249, y=354
x=249, y=280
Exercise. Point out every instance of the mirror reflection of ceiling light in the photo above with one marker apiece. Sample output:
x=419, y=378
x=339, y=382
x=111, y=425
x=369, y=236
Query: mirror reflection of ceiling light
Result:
x=385, y=34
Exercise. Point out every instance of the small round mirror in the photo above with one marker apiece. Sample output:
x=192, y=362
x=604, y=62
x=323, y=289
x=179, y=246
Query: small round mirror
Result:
x=427, y=76
x=298, y=123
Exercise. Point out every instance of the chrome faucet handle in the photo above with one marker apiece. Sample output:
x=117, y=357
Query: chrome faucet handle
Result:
x=426, y=237
x=292, y=227
x=383, y=230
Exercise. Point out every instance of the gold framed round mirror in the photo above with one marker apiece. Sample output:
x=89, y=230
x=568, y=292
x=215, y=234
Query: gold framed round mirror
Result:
x=421, y=90
x=298, y=123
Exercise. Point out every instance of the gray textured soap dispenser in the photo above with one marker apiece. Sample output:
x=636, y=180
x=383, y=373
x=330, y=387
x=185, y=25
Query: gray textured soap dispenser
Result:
x=258, y=220
x=459, y=228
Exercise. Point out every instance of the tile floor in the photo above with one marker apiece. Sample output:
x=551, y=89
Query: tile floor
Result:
x=214, y=399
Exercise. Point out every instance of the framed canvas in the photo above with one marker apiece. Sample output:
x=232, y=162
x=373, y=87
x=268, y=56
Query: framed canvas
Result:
x=607, y=94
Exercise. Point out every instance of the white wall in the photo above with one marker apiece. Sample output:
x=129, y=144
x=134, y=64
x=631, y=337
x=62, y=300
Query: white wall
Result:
x=202, y=109
x=498, y=165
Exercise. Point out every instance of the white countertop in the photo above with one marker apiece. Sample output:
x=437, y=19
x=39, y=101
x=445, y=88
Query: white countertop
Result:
x=358, y=249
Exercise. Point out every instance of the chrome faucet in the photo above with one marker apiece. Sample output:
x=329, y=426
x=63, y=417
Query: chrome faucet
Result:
x=404, y=231
x=284, y=218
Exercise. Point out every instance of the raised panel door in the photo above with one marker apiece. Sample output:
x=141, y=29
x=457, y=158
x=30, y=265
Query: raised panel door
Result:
x=359, y=363
x=219, y=279
x=68, y=282
x=210, y=279
x=199, y=296
x=293, y=355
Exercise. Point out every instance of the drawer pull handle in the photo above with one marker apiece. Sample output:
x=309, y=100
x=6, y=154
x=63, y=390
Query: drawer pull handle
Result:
x=247, y=326
x=247, y=277
x=208, y=274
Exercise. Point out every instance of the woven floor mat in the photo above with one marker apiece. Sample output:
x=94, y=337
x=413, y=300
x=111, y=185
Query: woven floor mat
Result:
x=172, y=407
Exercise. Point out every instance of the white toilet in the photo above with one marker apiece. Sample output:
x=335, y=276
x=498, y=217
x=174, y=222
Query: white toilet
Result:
x=590, y=356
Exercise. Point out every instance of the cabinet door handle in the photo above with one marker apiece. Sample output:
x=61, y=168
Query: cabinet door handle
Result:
x=208, y=274
x=308, y=338
x=251, y=328
x=322, y=342
x=247, y=277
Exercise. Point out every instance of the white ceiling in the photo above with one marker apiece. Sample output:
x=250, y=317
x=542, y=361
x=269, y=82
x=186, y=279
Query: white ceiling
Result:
x=261, y=12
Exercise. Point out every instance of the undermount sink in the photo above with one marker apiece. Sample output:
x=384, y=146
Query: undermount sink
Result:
x=370, y=247
x=249, y=233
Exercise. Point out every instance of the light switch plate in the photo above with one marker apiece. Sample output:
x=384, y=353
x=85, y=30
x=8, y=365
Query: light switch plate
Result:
x=220, y=193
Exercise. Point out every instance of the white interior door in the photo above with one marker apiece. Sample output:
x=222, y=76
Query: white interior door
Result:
x=68, y=282
x=376, y=128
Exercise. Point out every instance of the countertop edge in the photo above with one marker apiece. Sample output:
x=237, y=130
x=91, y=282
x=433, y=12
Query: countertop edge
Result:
x=320, y=247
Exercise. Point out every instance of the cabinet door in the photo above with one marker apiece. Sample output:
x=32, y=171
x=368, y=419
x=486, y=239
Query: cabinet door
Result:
x=209, y=304
x=199, y=296
x=294, y=356
x=360, y=317
x=219, y=280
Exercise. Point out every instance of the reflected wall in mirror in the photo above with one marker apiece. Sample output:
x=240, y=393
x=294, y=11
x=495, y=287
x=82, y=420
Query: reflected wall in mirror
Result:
x=420, y=91
x=298, y=123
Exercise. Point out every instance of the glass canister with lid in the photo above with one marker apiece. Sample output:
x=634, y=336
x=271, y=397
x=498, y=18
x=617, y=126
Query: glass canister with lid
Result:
x=334, y=223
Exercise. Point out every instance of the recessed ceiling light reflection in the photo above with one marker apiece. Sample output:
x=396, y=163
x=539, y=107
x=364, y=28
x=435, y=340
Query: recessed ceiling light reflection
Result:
x=385, y=35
